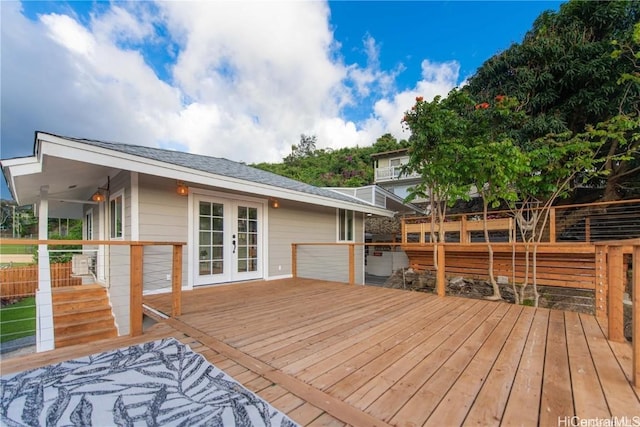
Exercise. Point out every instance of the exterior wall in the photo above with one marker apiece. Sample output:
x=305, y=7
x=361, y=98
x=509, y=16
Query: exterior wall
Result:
x=162, y=215
x=163, y=218
x=365, y=194
x=299, y=223
x=118, y=258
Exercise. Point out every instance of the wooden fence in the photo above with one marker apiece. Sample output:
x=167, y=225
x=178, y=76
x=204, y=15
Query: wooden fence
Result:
x=564, y=265
x=589, y=222
x=23, y=281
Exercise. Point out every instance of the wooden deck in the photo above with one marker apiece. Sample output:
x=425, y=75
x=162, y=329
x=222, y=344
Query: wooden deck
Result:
x=335, y=354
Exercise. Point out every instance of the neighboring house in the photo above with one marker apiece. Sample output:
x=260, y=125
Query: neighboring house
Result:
x=388, y=173
x=238, y=222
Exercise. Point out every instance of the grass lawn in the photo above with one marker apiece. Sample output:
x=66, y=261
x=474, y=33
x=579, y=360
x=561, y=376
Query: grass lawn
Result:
x=16, y=249
x=18, y=320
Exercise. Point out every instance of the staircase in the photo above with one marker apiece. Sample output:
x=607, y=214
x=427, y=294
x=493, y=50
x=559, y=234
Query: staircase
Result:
x=82, y=314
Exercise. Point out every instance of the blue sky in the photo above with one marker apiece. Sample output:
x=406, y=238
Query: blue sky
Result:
x=240, y=80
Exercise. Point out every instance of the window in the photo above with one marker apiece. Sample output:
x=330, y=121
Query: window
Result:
x=345, y=225
x=88, y=225
x=116, y=215
x=396, y=166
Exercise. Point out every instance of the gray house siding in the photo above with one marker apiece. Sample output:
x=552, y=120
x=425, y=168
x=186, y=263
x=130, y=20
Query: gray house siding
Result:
x=162, y=218
x=298, y=223
x=118, y=257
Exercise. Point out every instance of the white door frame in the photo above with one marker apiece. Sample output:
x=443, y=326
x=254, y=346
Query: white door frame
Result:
x=231, y=202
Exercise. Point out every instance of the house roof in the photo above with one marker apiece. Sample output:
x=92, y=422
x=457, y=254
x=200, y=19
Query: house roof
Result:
x=390, y=153
x=194, y=168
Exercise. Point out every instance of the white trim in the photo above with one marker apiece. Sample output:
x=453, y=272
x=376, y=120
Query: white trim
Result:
x=265, y=238
x=166, y=290
x=280, y=277
x=112, y=197
x=353, y=227
x=190, y=243
x=225, y=195
x=88, y=213
x=364, y=250
x=135, y=205
x=196, y=194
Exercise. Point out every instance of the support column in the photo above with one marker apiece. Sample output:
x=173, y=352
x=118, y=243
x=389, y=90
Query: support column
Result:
x=45, y=338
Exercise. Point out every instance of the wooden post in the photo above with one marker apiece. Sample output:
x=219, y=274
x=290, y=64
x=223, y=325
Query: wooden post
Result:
x=294, y=260
x=135, y=298
x=176, y=281
x=352, y=263
x=635, y=290
x=403, y=232
x=464, y=237
x=552, y=225
x=587, y=229
x=616, y=291
x=440, y=280
x=601, y=282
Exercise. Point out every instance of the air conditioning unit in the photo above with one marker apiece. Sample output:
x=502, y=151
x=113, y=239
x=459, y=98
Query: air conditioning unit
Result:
x=80, y=265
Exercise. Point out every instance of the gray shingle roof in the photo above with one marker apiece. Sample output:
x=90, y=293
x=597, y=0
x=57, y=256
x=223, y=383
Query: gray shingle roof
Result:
x=219, y=166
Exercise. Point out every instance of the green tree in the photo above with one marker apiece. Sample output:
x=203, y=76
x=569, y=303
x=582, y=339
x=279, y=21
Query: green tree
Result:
x=438, y=153
x=306, y=148
x=495, y=162
x=345, y=167
x=564, y=74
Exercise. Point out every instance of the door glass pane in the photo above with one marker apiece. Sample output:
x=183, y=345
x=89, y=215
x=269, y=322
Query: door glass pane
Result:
x=211, y=238
x=247, y=239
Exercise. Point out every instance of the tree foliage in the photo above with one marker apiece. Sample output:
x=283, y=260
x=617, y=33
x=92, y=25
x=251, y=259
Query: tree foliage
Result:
x=575, y=69
x=324, y=167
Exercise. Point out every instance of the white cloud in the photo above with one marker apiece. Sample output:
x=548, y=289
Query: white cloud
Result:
x=437, y=79
x=242, y=86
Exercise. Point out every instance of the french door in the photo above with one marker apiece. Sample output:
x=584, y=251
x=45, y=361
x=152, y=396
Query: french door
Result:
x=228, y=240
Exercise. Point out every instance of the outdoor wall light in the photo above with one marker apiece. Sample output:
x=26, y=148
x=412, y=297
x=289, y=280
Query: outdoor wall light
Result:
x=98, y=196
x=275, y=204
x=182, y=189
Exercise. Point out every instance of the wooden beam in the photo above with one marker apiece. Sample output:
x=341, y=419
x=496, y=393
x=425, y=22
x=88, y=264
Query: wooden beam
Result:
x=616, y=292
x=552, y=225
x=294, y=260
x=352, y=264
x=601, y=282
x=464, y=234
x=176, y=281
x=135, y=297
x=635, y=290
x=441, y=279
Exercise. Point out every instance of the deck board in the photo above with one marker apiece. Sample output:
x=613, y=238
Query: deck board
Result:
x=491, y=400
x=556, y=400
x=331, y=354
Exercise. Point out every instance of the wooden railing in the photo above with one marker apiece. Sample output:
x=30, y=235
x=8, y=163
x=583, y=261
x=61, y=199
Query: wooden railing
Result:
x=588, y=222
x=136, y=271
x=612, y=282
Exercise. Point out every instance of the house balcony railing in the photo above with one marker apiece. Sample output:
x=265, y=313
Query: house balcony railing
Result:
x=393, y=173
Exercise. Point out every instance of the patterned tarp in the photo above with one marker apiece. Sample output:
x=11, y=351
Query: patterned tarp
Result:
x=159, y=383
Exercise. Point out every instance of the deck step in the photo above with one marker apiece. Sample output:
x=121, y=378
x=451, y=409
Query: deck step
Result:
x=85, y=313
x=82, y=314
x=62, y=294
x=86, y=337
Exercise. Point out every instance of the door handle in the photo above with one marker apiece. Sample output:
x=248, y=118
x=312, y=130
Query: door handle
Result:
x=234, y=243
